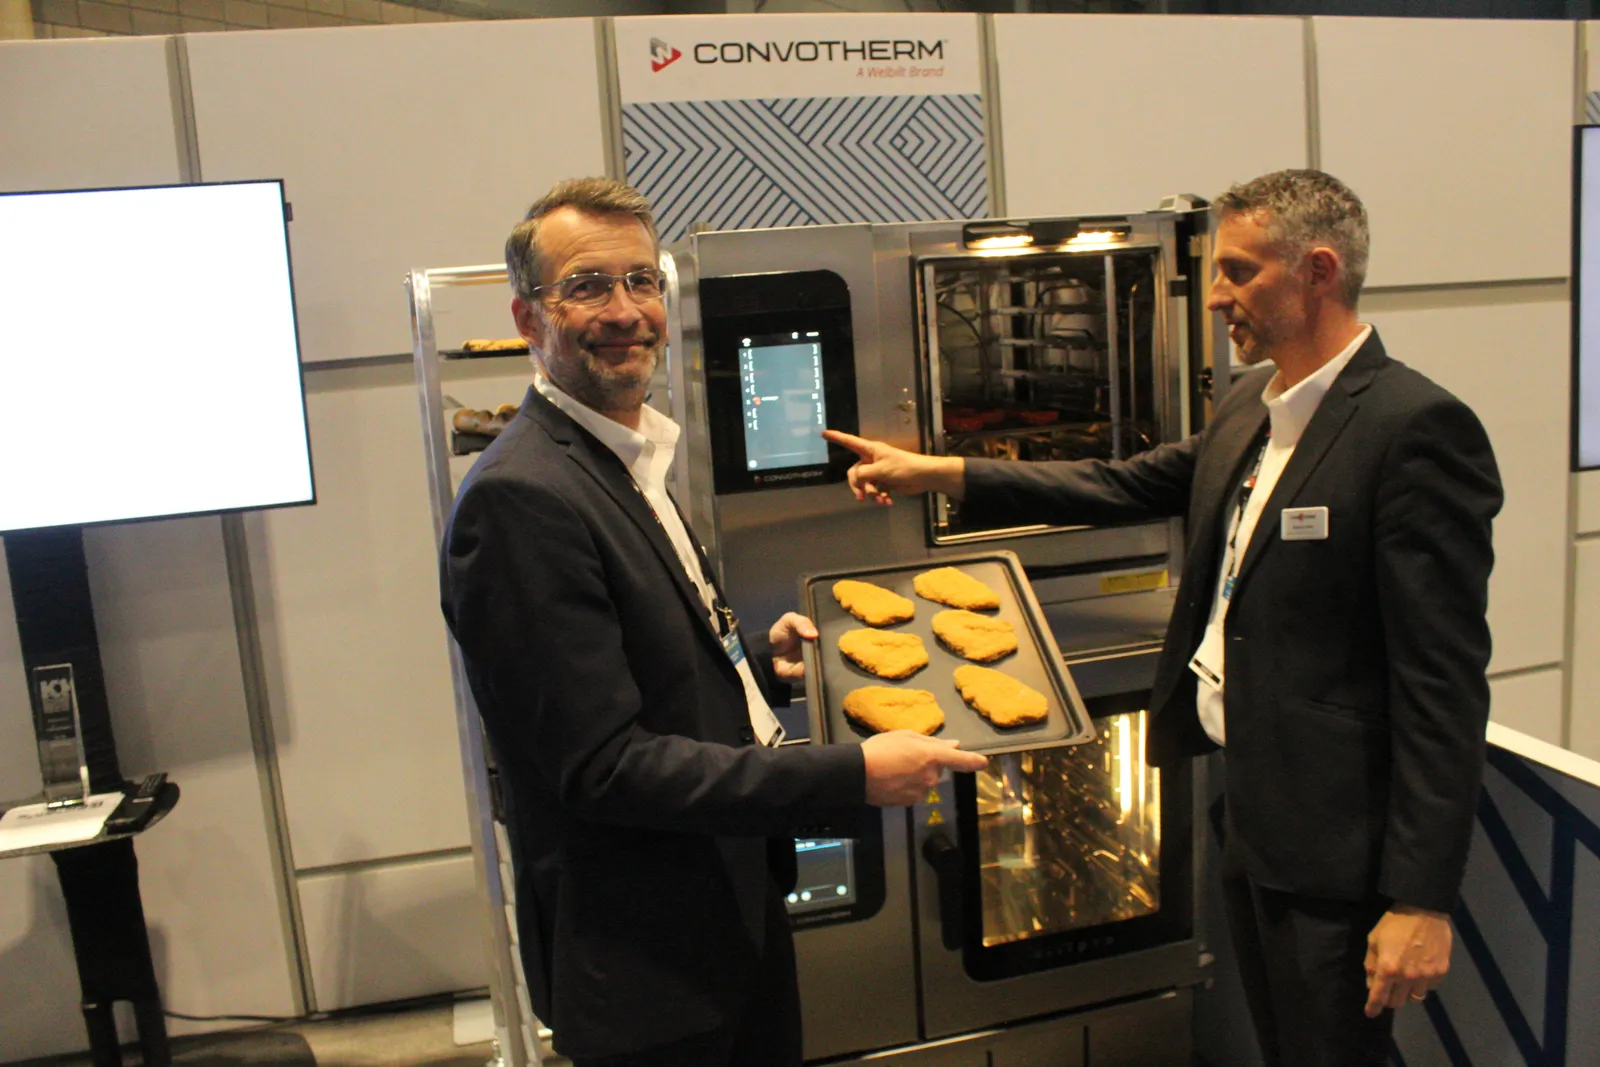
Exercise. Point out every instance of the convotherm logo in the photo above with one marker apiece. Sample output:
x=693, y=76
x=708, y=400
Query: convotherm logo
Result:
x=662, y=54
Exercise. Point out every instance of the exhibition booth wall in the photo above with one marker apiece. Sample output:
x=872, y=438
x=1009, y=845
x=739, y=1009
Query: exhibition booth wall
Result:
x=289, y=668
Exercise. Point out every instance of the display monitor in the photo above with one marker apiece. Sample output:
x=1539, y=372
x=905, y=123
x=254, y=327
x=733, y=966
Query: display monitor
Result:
x=785, y=407
x=1586, y=308
x=148, y=355
x=780, y=369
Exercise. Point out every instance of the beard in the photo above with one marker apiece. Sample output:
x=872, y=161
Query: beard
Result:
x=597, y=384
x=1256, y=347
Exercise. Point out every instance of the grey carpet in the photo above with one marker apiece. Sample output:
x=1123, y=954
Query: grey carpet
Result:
x=243, y=1050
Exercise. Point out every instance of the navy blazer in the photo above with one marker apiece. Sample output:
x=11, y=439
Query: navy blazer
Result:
x=639, y=808
x=1355, y=697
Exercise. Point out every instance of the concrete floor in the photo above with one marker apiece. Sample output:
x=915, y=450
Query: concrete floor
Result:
x=406, y=1037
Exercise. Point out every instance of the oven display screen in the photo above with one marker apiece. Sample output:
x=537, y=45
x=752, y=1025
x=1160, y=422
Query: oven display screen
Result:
x=781, y=393
x=827, y=874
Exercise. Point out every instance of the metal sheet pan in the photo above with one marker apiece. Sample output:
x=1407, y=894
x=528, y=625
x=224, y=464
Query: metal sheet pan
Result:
x=1037, y=662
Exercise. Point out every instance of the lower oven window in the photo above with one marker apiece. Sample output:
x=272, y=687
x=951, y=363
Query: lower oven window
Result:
x=1070, y=838
x=1075, y=853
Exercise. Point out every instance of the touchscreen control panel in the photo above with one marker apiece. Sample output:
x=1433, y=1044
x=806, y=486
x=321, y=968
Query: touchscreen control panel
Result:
x=780, y=369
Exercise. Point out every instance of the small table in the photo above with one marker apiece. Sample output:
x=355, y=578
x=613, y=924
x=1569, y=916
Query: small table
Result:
x=100, y=880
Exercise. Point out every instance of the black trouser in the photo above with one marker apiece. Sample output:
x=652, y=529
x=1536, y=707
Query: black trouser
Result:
x=1302, y=962
x=765, y=1033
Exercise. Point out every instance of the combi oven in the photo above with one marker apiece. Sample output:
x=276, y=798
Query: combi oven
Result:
x=1041, y=911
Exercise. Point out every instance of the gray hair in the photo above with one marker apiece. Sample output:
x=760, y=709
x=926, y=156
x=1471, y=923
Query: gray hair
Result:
x=595, y=196
x=1301, y=209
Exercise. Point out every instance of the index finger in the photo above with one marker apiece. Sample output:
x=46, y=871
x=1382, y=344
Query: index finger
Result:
x=1378, y=995
x=859, y=445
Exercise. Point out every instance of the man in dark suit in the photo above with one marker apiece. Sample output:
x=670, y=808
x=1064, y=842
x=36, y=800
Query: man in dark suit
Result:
x=1329, y=631
x=651, y=814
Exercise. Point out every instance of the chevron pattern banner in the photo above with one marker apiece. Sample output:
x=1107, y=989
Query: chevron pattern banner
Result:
x=743, y=164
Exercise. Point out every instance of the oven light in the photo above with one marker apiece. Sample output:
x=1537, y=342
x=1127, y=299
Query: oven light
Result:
x=1097, y=237
x=995, y=233
x=1015, y=240
x=1125, y=770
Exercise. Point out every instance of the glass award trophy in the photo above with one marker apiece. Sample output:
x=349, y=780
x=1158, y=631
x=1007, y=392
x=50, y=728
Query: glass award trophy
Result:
x=59, y=729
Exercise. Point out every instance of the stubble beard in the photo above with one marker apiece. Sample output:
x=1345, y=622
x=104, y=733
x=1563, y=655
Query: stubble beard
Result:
x=598, y=385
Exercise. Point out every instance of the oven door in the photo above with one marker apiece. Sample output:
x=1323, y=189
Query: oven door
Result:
x=1071, y=353
x=1062, y=878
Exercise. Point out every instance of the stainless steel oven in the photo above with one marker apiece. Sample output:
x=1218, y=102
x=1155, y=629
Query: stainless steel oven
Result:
x=1045, y=908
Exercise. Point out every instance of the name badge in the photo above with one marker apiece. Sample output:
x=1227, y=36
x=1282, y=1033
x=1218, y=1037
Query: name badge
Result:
x=1207, y=661
x=768, y=730
x=1304, y=524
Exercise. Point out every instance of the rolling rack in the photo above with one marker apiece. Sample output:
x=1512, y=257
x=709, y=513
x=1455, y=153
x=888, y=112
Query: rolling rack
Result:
x=519, y=1036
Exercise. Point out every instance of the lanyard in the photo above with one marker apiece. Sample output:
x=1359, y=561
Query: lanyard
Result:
x=1245, y=490
x=722, y=616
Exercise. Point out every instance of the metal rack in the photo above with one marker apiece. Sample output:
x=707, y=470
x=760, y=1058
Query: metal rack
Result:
x=518, y=1034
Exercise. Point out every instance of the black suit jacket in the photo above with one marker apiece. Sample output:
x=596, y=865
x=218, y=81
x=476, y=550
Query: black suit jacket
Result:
x=1355, y=691
x=639, y=809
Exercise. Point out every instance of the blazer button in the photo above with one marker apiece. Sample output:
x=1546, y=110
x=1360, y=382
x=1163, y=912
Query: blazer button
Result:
x=747, y=735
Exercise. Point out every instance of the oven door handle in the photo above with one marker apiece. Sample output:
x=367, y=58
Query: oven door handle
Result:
x=944, y=856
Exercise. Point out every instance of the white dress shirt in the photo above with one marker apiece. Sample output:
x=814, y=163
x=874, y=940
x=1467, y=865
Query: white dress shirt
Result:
x=647, y=453
x=1289, y=411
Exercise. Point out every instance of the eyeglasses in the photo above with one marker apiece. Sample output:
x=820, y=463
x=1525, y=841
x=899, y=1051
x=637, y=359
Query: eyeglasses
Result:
x=645, y=286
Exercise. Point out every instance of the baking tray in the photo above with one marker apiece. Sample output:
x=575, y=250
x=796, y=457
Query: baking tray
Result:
x=1037, y=662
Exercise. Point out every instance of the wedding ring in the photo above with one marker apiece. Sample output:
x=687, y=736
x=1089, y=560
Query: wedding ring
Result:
x=1418, y=998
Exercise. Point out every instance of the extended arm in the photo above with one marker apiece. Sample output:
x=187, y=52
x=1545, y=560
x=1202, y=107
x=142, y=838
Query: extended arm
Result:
x=1153, y=484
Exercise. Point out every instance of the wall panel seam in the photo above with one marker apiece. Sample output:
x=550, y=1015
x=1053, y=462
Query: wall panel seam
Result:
x=410, y=859
x=252, y=669
x=1313, y=96
x=605, y=44
x=989, y=59
x=1522, y=672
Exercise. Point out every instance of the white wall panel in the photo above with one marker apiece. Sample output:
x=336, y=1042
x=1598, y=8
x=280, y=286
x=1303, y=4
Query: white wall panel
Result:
x=384, y=933
x=1462, y=339
x=1457, y=136
x=1586, y=484
x=1591, y=60
x=348, y=600
x=164, y=613
x=86, y=114
x=401, y=147
x=1585, y=708
x=1108, y=113
x=1529, y=703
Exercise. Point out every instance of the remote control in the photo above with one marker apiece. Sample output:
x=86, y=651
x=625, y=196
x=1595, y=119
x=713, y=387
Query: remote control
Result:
x=135, y=809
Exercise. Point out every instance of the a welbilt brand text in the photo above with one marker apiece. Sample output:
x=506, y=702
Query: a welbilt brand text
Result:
x=815, y=51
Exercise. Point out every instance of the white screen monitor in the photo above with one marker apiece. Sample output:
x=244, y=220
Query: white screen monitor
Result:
x=1586, y=308
x=149, y=362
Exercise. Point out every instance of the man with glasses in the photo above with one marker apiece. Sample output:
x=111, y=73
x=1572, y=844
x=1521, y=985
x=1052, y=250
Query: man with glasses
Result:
x=651, y=814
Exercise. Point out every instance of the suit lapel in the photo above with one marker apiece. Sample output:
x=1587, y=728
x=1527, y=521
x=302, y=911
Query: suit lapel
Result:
x=602, y=464
x=1332, y=415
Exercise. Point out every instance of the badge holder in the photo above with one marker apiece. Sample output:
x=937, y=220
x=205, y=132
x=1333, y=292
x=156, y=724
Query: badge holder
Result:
x=59, y=729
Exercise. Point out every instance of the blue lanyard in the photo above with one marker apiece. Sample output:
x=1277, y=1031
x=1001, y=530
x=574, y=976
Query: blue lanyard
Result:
x=1245, y=490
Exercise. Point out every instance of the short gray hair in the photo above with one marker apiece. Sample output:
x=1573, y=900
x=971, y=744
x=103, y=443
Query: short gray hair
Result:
x=1301, y=209
x=595, y=196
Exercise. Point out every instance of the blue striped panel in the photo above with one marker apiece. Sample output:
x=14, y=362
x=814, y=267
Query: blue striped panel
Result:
x=742, y=164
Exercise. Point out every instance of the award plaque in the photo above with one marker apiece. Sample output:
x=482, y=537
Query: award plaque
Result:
x=59, y=729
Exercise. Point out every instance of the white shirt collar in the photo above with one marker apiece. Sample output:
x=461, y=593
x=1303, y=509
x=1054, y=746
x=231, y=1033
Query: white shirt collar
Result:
x=1291, y=409
x=657, y=434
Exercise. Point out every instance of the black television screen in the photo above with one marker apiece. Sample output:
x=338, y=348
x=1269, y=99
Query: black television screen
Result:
x=148, y=355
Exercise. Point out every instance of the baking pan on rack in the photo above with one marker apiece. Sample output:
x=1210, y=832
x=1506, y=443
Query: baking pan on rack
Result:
x=1037, y=662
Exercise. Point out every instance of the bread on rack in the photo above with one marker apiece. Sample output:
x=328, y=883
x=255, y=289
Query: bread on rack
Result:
x=505, y=344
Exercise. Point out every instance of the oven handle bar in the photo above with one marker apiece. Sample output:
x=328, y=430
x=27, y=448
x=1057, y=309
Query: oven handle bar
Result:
x=944, y=856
